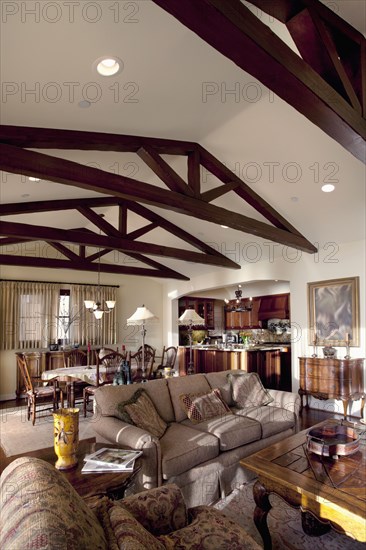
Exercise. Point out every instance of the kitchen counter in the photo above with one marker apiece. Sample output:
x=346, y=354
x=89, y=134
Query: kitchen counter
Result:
x=272, y=361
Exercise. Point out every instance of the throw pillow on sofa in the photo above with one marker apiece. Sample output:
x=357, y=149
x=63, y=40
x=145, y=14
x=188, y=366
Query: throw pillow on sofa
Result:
x=203, y=406
x=140, y=411
x=248, y=390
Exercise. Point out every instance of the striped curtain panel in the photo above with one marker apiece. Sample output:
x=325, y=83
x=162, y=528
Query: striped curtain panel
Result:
x=86, y=328
x=28, y=313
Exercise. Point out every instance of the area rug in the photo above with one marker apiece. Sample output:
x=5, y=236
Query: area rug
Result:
x=18, y=435
x=284, y=523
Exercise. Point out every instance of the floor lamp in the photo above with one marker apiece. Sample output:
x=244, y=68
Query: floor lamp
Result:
x=141, y=316
x=189, y=319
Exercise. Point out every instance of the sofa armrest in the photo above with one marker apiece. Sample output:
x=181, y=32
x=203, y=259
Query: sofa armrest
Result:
x=160, y=510
x=127, y=435
x=290, y=401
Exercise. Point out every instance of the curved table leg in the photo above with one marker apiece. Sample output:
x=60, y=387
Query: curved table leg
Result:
x=262, y=508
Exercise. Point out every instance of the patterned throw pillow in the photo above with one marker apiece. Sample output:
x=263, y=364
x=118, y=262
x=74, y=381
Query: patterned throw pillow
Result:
x=248, y=390
x=140, y=411
x=203, y=406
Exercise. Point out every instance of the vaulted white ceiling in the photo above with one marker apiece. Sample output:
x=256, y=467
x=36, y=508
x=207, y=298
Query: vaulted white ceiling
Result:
x=173, y=85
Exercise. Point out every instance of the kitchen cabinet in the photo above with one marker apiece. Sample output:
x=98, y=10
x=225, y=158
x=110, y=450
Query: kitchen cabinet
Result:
x=242, y=319
x=203, y=306
x=275, y=306
x=330, y=378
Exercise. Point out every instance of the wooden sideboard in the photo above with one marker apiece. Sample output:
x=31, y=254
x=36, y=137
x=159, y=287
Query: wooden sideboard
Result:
x=329, y=378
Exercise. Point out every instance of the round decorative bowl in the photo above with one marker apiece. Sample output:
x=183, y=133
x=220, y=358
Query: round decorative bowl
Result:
x=329, y=351
x=332, y=440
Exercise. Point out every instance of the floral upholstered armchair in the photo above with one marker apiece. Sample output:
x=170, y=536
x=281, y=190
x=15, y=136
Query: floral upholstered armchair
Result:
x=40, y=509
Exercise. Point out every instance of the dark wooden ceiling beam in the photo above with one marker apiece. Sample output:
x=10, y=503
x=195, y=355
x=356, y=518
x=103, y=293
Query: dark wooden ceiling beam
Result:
x=194, y=172
x=27, y=261
x=141, y=231
x=217, y=192
x=14, y=159
x=66, y=251
x=220, y=171
x=162, y=169
x=49, y=234
x=99, y=222
x=54, y=205
x=234, y=31
x=49, y=138
x=122, y=219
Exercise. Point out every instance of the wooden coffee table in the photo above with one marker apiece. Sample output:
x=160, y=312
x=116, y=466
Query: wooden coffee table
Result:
x=329, y=493
x=112, y=484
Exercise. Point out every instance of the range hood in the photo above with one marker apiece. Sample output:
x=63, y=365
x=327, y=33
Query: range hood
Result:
x=276, y=306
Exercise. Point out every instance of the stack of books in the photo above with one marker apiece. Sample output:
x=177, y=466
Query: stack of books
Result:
x=110, y=460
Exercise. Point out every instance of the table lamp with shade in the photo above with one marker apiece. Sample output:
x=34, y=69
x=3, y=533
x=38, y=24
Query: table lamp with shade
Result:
x=189, y=319
x=142, y=316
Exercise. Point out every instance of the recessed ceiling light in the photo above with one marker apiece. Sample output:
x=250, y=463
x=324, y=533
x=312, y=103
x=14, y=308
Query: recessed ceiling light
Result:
x=328, y=188
x=84, y=104
x=224, y=226
x=108, y=65
x=31, y=178
x=295, y=199
x=25, y=195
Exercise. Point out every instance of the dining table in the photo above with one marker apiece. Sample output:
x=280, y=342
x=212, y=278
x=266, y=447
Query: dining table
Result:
x=70, y=375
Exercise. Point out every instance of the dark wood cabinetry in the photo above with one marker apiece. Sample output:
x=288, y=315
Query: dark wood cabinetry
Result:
x=203, y=306
x=273, y=367
x=329, y=378
x=274, y=306
x=242, y=319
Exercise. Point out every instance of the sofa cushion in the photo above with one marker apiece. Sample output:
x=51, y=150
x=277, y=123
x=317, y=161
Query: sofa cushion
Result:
x=183, y=448
x=210, y=529
x=203, y=406
x=177, y=385
x=248, y=390
x=107, y=398
x=232, y=431
x=273, y=420
x=141, y=411
x=123, y=530
x=160, y=510
x=220, y=380
x=39, y=509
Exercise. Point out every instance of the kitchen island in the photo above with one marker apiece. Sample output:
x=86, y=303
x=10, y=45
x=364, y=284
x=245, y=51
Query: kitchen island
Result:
x=272, y=362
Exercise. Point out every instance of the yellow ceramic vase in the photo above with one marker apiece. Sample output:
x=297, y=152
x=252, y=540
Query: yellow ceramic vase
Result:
x=66, y=437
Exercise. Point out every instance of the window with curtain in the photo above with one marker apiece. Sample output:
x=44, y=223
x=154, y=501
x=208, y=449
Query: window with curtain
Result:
x=33, y=315
x=27, y=311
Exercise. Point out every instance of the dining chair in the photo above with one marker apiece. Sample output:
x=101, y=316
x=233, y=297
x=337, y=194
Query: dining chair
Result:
x=141, y=374
x=168, y=358
x=111, y=362
x=38, y=394
x=75, y=358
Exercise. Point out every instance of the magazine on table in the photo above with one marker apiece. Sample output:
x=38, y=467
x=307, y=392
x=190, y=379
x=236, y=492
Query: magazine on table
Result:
x=119, y=458
x=91, y=467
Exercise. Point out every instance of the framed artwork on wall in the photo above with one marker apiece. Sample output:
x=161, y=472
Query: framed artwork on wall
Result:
x=333, y=312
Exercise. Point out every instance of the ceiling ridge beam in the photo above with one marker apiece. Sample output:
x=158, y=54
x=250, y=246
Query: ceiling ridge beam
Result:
x=49, y=234
x=15, y=159
x=28, y=261
x=164, y=172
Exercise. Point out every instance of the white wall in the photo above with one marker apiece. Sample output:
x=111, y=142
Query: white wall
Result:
x=132, y=292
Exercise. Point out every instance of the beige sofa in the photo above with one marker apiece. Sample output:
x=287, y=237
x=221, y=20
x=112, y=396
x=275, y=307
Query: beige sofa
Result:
x=201, y=458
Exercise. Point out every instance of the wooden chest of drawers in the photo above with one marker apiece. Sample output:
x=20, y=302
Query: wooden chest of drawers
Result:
x=331, y=378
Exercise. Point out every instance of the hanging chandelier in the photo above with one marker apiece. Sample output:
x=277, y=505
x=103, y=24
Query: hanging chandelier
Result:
x=239, y=304
x=95, y=307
